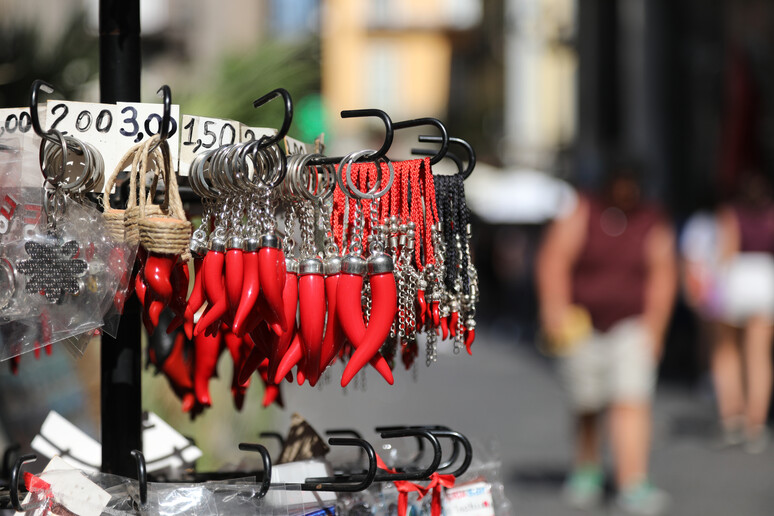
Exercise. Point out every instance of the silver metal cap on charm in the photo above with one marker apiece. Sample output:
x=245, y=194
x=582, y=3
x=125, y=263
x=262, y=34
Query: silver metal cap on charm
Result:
x=198, y=247
x=270, y=240
x=380, y=263
x=218, y=245
x=310, y=266
x=291, y=265
x=235, y=242
x=332, y=265
x=353, y=264
x=250, y=245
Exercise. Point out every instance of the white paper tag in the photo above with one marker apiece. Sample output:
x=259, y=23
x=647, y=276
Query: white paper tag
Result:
x=113, y=129
x=294, y=146
x=469, y=500
x=16, y=124
x=249, y=134
x=200, y=134
x=71, y=489
x=164, y=447
x=58, y=436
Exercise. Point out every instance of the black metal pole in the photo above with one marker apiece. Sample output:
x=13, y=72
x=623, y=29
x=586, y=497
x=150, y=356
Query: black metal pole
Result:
x=121, y=358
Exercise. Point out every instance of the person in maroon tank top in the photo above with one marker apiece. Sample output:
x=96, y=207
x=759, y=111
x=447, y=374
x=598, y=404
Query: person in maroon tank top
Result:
x=612, y=258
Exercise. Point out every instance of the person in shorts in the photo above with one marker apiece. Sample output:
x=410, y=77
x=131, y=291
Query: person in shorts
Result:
x=613, y=259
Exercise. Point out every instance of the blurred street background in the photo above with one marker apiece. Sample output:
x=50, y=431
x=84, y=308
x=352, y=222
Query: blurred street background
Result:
x=549, y=93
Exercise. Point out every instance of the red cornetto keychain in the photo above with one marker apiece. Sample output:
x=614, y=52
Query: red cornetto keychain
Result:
x=366, y=338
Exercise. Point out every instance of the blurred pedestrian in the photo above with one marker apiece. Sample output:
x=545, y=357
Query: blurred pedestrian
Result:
x=607, y=278
x=741, y=356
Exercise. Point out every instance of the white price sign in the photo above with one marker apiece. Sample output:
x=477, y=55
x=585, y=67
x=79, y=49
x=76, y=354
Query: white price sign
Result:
x=112, y=129
x=293, y=146
x=250, y=134
x=17, y=133
x=200, y=134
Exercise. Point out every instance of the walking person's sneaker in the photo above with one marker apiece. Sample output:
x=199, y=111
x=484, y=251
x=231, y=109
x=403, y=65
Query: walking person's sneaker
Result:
x=583, y=489
x=643, y=499
x=757, y=441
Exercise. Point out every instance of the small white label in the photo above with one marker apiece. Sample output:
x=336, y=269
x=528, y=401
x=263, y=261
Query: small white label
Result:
x=113, y=129
x=294, y=146
x=249, y=134
x=469, y=500
x=201, y=134
x=71, y=489
x=16, y=125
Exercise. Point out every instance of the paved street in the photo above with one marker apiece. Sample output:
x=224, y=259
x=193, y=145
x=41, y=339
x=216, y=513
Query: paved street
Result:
x=507, y=392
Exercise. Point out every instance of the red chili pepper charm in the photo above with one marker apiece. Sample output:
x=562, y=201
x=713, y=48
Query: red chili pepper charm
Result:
x=263, y=340
x=470, y=336
x=384, y=306
x=206, y=353
x=350, y=311
x=180, y=279
x=196, y=300
x=238, y=350
x=158, y=273
x=444, y=328
x=334, y=335
x=454, y=323
x=290, y=302
x=421, y=309
x=311, y=307
x=271, y=393
x=293, y=357
x=141, y=289
x=271, y=265
x=436, y=313
x=251, y=287
x=234, y=274
x=214, y=287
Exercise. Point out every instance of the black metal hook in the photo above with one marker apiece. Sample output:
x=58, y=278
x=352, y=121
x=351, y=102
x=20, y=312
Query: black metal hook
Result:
x=420, y=442
x=37, y=85
x=142, y=476
x=14, y=481
x=8, y=461
x=343, y=483
x=266, y=482
x=449, y=154
x=359, y=113
x=444, y=138
x=287, y=119
x=471, y=154
x=166, y=118
x=457, y=437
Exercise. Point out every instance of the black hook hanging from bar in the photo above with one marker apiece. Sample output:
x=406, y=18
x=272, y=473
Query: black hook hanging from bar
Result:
x=287, y=118
x=37, y=85
x=166, y=118
x=8, y=455
x=142, y=476
x=458, y=438
x=14, y=481
x=345, y=483
x=266, y=482
x=359, y=113
x=449, y=154
x=444, y=138
x=471, y=154
x=402, y=474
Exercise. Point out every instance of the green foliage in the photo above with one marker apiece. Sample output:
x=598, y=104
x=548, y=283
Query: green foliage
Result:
x=242, y=79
